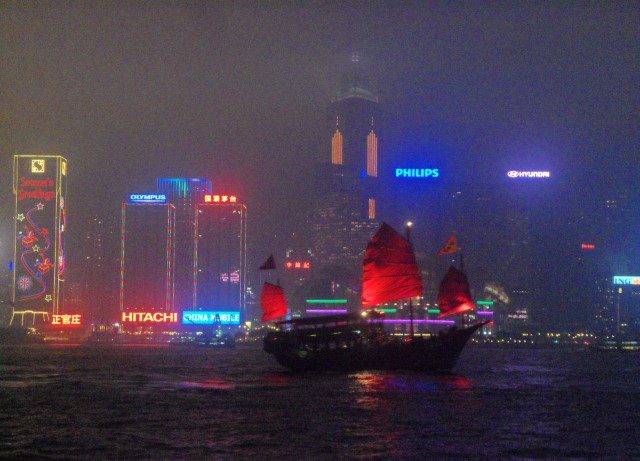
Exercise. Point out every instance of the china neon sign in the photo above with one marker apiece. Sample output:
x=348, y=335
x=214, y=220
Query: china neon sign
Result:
x=528, y=174
x=148, y=198
x=417, y=173
x=150, y=317
x=211, y=318
x=298, y=265
x=66, y=319
x=220, y=199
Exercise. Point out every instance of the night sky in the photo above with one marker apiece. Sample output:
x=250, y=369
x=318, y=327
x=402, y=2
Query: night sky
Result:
x=237, y=92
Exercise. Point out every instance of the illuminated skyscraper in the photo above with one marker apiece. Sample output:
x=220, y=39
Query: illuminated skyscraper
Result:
x=347, y=215
x=220, y=255
x=147, y=254
x=184, y=194
x=40, y=185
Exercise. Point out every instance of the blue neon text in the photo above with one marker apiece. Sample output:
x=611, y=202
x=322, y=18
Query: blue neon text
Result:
x=417, y=173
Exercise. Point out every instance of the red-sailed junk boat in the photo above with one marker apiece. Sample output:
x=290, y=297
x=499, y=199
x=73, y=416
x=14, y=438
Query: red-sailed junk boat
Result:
x=350, y=342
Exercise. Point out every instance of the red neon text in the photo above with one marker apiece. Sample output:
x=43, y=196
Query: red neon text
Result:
x=66, y=319
x=297, y=265
x=220, y=198
x=588, y=246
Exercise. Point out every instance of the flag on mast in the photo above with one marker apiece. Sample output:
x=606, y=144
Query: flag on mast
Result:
x=450, y=247
x=268, y=265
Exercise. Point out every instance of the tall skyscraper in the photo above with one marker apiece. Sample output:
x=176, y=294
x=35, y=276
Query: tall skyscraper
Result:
x=347, y=215
x=147, y=254
x=184, y=194
x=220, y=255
x=39, y=185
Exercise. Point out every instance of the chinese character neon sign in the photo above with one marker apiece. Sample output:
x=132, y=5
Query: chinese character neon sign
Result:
x=220, y=199
x=528, y=174
x=148, y=198
x=417, y=172
x=72, y=320
x=211, y=318
x=298, y=265
x=150, y=317
x=588, y=246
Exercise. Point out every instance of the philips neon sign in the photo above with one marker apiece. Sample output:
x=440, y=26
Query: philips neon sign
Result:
x=417, y=173
x=150, y=317
x=211, y=318
x=148, y=198
x=626, y=279
x=528, y=174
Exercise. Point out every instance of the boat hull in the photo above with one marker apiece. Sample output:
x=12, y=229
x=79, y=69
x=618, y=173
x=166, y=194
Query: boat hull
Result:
x=435, y=354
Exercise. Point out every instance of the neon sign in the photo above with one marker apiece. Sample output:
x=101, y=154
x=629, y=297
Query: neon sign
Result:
x=588, y=246
x=220, y=199
x=150, y=317
x=148, y=198
x=297, y=265
x=528, y=174
x=417, y=173
x=211, y=318
x=73, y=320
x=626, y=279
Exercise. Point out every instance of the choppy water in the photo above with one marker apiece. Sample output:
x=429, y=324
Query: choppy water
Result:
x=159, y=403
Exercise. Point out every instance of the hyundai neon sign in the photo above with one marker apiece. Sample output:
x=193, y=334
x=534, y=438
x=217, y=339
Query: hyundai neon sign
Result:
x=417, y=173
x=528, y=174
x=211, y=318
x=148, y=198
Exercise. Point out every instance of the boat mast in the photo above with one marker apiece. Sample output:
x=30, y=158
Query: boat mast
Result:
x=409, y=226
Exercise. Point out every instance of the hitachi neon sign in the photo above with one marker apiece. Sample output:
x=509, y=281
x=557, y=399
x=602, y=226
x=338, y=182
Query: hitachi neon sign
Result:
x=417, y=173
x=148, y=198
x=70, y=320
x=150, y=317
x=528, y=174
x=211, y=318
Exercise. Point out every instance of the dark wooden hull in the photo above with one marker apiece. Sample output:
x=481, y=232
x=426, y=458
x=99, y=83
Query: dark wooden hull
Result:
x=435, y=354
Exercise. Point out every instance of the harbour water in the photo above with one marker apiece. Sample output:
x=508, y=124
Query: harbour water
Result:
x=168, y=403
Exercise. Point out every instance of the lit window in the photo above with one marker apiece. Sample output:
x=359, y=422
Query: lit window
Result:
x=336, y=148
x=372, y=154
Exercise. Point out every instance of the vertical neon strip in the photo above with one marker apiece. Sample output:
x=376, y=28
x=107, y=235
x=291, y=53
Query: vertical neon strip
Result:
x=243, y=261
x=15, y=228
x=196, y=237
x=122, y=246
x=372, y=208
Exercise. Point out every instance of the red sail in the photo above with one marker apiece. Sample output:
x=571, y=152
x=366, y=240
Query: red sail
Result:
x=454, y=295
x=273, y=302
x=390, y=269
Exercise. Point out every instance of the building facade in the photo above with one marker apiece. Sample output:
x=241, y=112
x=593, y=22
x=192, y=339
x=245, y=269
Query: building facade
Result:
x=184, y=194
x=39, y=186
x=147, y=255
x=220, y=255
x=347, y=215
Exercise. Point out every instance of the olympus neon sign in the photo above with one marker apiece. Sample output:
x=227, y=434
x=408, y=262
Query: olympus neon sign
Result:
x=150, y=317
x=148, y=198
x=417, y=173
x=528, y=174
